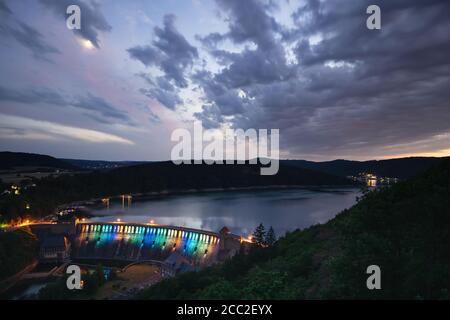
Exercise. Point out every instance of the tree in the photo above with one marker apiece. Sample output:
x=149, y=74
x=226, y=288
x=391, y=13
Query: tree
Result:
x=100, y=274
x=91, y=283
x=270, y=237
x=259, y=234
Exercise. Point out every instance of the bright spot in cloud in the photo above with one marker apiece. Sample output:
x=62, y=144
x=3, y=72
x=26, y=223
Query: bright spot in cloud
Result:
x=315, y=39
x=339, y=64
x=45, y=130
x=87, y=44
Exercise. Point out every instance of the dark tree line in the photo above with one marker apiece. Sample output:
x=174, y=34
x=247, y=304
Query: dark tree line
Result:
x=262, y=237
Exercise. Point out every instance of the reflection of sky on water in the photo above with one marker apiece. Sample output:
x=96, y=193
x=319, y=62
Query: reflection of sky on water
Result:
x=241, y=211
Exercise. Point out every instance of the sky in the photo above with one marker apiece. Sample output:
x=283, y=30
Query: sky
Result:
x=139, y=69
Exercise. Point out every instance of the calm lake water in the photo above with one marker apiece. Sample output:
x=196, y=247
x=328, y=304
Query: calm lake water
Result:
x=241, y=211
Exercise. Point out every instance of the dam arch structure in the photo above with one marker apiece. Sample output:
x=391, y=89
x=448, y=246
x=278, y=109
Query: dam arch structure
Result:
x=134, y=242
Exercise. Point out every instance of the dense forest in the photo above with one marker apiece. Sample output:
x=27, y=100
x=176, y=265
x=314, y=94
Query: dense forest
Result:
x=396, y=168
x=404, y=229
x=17, y=250
x=399, y=168
x=10, y=160
x=160, y=176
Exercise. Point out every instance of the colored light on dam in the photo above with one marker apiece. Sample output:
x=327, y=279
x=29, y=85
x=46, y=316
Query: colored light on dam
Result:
x=135, y=242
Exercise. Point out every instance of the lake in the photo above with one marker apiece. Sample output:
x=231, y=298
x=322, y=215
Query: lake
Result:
x=241, y=211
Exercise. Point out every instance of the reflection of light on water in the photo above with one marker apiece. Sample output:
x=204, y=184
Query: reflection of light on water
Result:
x=203, y=223
x=242, y=211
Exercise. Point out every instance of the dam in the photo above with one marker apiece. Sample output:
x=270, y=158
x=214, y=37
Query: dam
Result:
x=133, y=242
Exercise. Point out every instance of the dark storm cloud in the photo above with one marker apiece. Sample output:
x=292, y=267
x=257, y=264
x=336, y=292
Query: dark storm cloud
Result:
x=93, y=21
x=250, y=21
x=228, y=93
x=172, y=53
x=352, y=90
x=220, y=99
x=98, y=109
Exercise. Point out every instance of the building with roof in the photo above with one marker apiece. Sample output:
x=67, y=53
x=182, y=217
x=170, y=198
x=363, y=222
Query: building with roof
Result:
x=55, y=249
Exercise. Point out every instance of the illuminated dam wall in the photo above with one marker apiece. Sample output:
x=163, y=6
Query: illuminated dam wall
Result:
x=139, y=242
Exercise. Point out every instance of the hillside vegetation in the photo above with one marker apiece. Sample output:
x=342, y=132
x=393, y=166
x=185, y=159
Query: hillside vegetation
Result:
x=396, y=168
x=10, y=160
x=17, y=250
x=404, y=229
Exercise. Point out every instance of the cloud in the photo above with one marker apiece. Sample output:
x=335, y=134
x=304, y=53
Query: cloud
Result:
x=210, y=41
x=97, y=104
x=349, y=90
x=4, y=7
x=172, y=54
x=26, y=35
x=250, y=21
x=93, y=22
x=14, y=127
x=161, y=90
x=32, y=39
x=227, y=93
x=98, y=108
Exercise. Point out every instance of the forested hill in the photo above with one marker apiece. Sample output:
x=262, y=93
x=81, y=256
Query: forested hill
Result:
x=100, y=164
x=404, y=229
x=10, y=160
x=155, y=177
x=399, y=168
x=166, y=176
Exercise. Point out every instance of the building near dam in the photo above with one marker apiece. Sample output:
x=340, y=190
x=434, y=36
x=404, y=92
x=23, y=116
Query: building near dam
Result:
x=55, y=249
